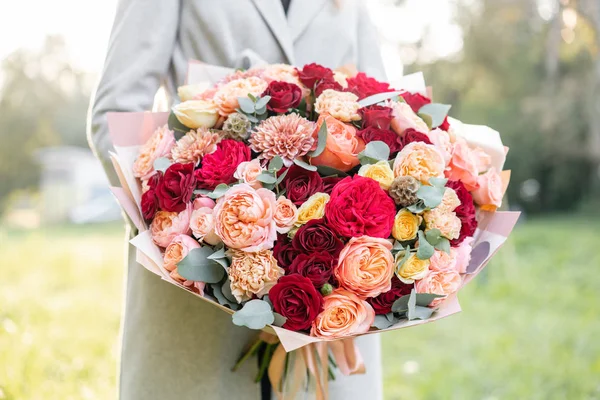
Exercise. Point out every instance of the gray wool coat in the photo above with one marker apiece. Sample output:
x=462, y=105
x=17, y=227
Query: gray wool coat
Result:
x=173, y=345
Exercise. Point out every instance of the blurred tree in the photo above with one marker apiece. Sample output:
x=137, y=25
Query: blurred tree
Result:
x=537, y=81
x=43, y=102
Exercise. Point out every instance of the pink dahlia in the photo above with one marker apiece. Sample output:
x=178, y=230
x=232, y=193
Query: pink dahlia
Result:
x=195, y=145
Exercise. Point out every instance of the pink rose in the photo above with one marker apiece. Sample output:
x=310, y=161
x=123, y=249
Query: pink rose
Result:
x=441, y=140
x=248, y=171
x=166, y=225
x=442, y=261
x=439, y=282
x=405, y=118
x=344, y=314
x=463, y=165
x=202, y=224
x=484, y=160
x=489, y=192
x=200, y=202
x=463, y=254
x=244, y=218
x=176, y=251
x=285, y=215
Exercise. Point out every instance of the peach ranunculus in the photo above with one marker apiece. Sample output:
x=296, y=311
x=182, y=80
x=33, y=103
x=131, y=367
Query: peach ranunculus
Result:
x=226, y=97
x=366, y=266
x=248, y=171
x=313, y=208
x=176, y=251
x=446, y=221
x=159, y=145
x=202, y=224
x=439, y=282
x=343, y=106
x=285, y=214
x=463, y=254
x=342, y=146
x=253, y=273
x=412, y=269
x=441, y=140
x=166, y=225
x=197, y=113
x=194, y=145
x=421, y=161
x=344, y=314
x=450, y=200
x=406, y=225
x=489, y=192
x=405, y=118
x=244, y=218
x=463, y=165
x=380, y=172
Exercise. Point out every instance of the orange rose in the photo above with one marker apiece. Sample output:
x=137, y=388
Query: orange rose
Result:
x=464, y=165
x=344, y=314
x=439, y=282
x=421, y=161
x=489, y=192
x=342, y=146
x=176, y=251
x=166, y=225
x=226, y=97
x=366, y=266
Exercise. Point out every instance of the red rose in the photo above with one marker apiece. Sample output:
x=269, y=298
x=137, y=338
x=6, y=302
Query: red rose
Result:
x=445, y=125
x=376, y=116
x=358, y=206
x=284, y=96
x=316, y=236
x=176, y=187
x=415, y=100
x=295, y=297
x=410, y=135
x=311, y=74
x=149, y=199
x=327, y=84
x=317, y=267
x=283, y=251
x=220, y=166
x=365, y=86
x=382, y=304
x=465, y=212
x=387, y=136
x=329, y=183
x=300, y=184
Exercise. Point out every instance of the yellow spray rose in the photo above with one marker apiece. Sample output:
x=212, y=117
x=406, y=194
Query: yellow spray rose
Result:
x=197, y=113
x=412, y=269
x=380, y=172
x=406, y=225
x=313, y=208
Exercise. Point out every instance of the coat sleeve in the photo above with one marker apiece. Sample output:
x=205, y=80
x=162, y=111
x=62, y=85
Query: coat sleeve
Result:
x=139, y=54
x=369, y=51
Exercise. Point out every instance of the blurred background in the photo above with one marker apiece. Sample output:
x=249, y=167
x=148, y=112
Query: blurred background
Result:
x=530, y=326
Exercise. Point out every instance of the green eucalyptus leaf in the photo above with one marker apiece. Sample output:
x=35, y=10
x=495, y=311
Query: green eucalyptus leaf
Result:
x=262, y=102
x=261, y=110
x=382, y=322
x=217, y=289
x=220, y=257
x=226, y=289
x=252, y=119
x=425, y=299
x=427, y=119
x=401, y=305
x=433, y=236
x=438, y=182
x=282, y=177
x=412, y=302
x=196, y=266
x=376, y=150
x=276, y=163
x=304, y=165
x=430, y=195
x=443, y=245
x=418, y=312
x=279, y=319
x=161, y=164
x=438, y=113
x=321, y=142
x=378, y=98
x=255, y=314
x=326, y=171
x=267, y=178
x=425, y=249
x=219, y=191
x=397, y=246
x=252, y=97
x=176, y=126
x=246, y=104
x=417, y=208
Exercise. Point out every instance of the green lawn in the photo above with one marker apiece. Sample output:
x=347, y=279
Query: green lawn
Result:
x=530, y=326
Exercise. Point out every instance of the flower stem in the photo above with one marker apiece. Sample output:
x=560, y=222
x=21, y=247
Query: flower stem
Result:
x=253, y=350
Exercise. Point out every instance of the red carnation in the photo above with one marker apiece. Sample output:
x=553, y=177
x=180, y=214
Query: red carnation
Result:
x=312, y=74
x=219, y=167
x=465, y=212
x=382, y=304
x=376, y=116
x=284, y=96
x=316, y=236
x=365, y=86
x=176, y=187
x=410, y=135
x=300, y=184
x=358, y=206
x=387, y=136
x=295, y=297
x=283, y=251
x=317, y=267
x=415, y=100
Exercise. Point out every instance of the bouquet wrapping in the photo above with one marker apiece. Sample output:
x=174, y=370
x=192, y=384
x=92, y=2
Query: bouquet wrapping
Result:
x=314, y=205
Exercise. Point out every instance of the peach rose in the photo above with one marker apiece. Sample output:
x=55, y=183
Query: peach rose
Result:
x=446, y=221
x=490, y=189
x=176, y=251
x=441, y=140
x=197, y=113
x=421, y=161
x=366, y=266
x=344, y=314
x=226, y=97
x=342, y=106
x=248, y=171
x=166, y=225
x=439, y=282
x=313, y=208
x=285, y=214
x=200, y=202
x=244, y=218
x=380, y=172
x=202, y=224
x=450, y=200
x=462, y=254
x=442, y=261
x=406, y=225
x=463, y=165
x=253, y=273
x=342, y=146
x=159, y=145
x=484, y=160
x=412, y=269
x=405, y=118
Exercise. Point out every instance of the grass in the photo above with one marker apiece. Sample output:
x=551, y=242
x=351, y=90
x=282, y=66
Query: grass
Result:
x=529, y=329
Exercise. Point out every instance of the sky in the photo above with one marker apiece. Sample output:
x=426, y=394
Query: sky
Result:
x=86, y=24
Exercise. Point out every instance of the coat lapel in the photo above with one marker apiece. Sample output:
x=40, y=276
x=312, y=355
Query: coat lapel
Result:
x=273, y=14
x=301, y=13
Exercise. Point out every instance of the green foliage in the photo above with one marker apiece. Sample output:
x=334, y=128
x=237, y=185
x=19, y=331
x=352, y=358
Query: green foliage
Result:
x=255, y=314
x=374, y=152
x=197, y=266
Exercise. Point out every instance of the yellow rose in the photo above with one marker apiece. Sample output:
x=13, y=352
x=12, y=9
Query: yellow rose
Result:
x=197, y=113
x=406, y=225
x=380, y=172
x=313, y=208
x=188, y=92
x=412, y=270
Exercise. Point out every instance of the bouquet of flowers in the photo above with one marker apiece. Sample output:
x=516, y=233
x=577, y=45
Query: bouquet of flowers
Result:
x=312, y=204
